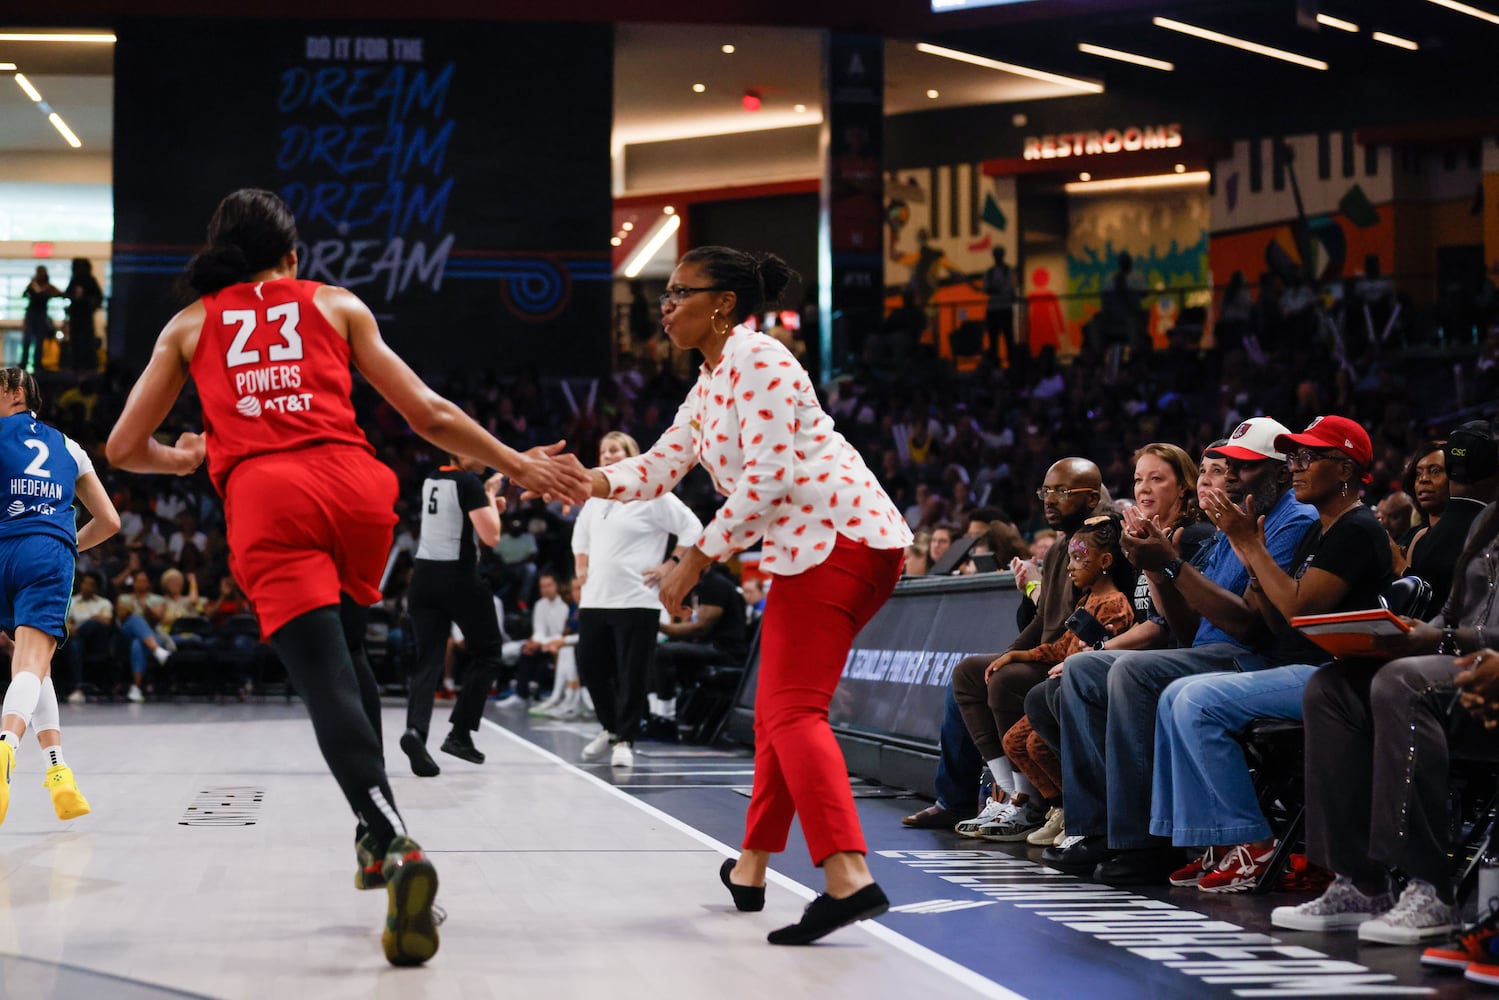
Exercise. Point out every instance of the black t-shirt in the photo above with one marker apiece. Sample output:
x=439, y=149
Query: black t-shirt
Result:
x=1192, y=538
x=729, y=637
x=1435, y=558
x=447, y=539
x=1357, y=549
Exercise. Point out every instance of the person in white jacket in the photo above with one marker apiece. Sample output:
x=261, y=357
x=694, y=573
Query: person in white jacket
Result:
x=620, y=557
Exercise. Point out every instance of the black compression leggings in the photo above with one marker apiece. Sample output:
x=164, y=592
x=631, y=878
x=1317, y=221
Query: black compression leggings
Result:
x=323, y=652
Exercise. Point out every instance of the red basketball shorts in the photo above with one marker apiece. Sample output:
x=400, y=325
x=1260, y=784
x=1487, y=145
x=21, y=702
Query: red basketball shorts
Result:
x=308, y=525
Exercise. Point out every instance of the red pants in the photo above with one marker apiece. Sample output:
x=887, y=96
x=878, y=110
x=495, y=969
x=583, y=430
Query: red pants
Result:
x=809, y=626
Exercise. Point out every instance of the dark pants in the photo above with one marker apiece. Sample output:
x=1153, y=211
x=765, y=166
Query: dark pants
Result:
x=89, y=637
x=1378, y=744
x=959, y=765
x=323, y=651
x=615, y=649
x=991, y=708
x=438, y=599
x=678, y=661
x=1041, y=709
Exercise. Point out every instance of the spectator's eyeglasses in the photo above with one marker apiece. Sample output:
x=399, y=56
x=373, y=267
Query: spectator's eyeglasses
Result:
x=1060, y=492
x=1304, y=458
x=679, y=294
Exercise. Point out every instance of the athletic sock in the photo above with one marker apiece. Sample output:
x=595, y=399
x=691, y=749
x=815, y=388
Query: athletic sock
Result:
x=1004, y=775
x=54, y=756
x=11, y=738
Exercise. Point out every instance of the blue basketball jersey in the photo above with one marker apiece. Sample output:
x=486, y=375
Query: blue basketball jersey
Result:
x=39, y=471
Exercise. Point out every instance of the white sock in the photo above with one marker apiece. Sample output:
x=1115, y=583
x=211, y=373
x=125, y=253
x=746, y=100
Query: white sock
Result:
x=11, y=738
x=1004, y=775
x=162, y=654
x=21, y=698
x=1023, y=784
x=653, y=704
x=54, y=755
x=668, y=708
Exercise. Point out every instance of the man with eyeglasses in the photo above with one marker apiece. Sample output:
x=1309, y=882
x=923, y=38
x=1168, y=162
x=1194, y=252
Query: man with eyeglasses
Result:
x=1107, y=702
x=1071, y=493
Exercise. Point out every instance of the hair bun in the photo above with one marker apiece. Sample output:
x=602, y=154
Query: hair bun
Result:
x=774, y=274
x=218, y=267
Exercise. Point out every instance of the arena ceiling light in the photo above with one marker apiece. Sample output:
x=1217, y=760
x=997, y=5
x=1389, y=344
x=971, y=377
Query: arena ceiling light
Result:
x=95, y=38
x=665, y=230
x=52, y=116
x=1238, y=43
x=1336, y=22
x=1122, y=56
x=1395, y=40
x=1190, y=178
x=1071, y=82
x=1463, y=8
x=7, y=67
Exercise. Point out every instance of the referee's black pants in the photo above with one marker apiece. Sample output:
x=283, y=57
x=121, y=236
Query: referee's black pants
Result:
x=438, y=598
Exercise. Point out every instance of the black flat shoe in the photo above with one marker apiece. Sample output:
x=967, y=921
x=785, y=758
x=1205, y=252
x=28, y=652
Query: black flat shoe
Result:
x=1079, y=859
x=749, y=898
x=825, y=914
x=462, y=749
x=415, y=748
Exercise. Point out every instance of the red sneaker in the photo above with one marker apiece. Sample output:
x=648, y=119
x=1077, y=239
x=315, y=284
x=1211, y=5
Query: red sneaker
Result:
x=1240, y=870
x=1476, y=945
x=1192, y=872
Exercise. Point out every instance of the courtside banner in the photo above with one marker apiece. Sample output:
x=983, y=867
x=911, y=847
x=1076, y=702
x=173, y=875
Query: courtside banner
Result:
x=897, y=673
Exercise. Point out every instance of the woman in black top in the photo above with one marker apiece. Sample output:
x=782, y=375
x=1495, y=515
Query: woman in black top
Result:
x=84, y=299
x=37, y=327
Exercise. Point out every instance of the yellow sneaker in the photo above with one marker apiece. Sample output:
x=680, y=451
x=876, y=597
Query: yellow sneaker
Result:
x=7, y=764
x=67, y=800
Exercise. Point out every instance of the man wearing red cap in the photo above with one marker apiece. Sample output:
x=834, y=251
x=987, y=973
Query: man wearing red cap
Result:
x=1203, y=795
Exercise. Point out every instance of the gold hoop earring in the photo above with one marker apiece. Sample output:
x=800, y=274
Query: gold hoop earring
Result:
x=714, y=321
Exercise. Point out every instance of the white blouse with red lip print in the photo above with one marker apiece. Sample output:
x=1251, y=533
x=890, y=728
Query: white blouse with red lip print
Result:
x=755, y=424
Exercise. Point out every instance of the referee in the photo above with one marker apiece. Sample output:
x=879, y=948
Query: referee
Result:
x=446, y=588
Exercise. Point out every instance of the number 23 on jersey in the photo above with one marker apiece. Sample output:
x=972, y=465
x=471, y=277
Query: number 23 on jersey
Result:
x=287, y=314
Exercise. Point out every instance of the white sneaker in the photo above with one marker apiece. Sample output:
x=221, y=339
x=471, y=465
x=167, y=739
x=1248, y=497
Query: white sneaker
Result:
x=598, y=745
x=1046, y=835
x=623, y=756
x=162, y=654
x=1418, y=914
x=993, y=810
x=134, y=694
x=77, y=697
x=1339, y=908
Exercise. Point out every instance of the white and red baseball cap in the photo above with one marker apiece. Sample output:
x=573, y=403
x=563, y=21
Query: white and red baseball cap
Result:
x=1254, y=440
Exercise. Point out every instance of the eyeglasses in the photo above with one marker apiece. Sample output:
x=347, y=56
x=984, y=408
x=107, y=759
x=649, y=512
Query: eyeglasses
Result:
x=679, y=294
x=1304, y=458
x=1060, y=492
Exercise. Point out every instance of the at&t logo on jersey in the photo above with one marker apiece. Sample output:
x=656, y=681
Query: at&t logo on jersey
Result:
x=250, y=406
x=16, y=507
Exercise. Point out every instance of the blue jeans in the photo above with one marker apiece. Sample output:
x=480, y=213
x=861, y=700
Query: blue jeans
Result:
x=1202, y=793
x=959, y=764
x=135, y=626
x=1107, y=710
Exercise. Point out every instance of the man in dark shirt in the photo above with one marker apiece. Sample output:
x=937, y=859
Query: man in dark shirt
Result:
x=716, y=633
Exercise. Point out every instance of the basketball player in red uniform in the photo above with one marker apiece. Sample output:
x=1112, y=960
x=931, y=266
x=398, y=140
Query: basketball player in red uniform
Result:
x=309, y=509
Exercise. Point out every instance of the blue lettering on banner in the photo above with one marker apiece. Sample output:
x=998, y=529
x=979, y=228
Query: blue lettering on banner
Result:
x=363, y=155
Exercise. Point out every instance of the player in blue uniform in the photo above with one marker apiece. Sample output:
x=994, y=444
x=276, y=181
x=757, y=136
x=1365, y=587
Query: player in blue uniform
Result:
x=42, y=474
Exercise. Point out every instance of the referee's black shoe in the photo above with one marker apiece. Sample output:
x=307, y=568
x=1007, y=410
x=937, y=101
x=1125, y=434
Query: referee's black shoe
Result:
x=461, y=745
x=415, y=748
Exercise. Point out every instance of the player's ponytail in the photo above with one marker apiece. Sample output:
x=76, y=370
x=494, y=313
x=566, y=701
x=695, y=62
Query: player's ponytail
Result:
x=251, y=231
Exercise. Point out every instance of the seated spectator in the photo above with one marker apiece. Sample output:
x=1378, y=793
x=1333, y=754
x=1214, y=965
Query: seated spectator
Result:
x=1071, y=492
x=187, y=533
x=1099, y=574
x=715, y=634
x=538, y=654
x=1203, y=793
x=517, y=552
x=943, y=535
x=177, y=603
x=918, y=555
x=753, y=588
x=139, y=612
x=90, y=630
x=1469, y=466
x=1427, y=482
x=230, y=602
x=1378, y=745
x=1106, y=704
x=1397, y=513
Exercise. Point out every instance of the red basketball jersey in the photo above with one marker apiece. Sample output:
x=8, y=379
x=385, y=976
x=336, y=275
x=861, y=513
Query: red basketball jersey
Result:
x=272, y=374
